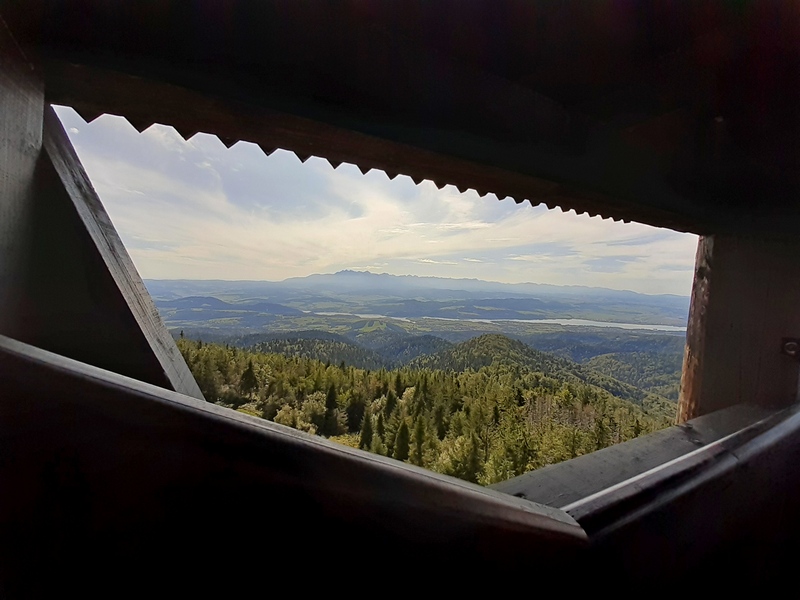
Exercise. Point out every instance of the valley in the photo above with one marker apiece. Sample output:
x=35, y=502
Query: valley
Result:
x=370, y=361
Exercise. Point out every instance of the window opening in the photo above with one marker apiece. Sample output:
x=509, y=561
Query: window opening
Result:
x=473, y=337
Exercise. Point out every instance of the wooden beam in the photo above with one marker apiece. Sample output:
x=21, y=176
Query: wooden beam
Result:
x=145, y=485
x=66, y=282
x=21, y=108
x=444, y=156
x=83, y=296
x=745, y=300
x=572, y=480
x=723, y=513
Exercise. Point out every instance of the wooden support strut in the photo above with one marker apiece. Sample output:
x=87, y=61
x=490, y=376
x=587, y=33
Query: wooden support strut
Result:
x=745, y=302
x=134, y=340
x=66, y=282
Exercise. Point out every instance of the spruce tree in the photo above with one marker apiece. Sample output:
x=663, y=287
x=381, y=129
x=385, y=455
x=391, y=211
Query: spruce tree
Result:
x=439, y=422
x=391, y=402
x=331, y=424
x=401, y=442
x=380, y=428
x=248, y=382
x=365, y=442
x=419, y=441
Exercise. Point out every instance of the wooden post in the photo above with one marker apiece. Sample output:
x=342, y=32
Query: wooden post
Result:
x=21, y=110
x=66, y=282
x=745, y=300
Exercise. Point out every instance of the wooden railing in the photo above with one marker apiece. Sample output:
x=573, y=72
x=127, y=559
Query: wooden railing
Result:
x=110, y=479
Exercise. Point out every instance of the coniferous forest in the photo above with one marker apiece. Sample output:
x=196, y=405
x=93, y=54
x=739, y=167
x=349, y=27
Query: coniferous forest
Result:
x=484, y=410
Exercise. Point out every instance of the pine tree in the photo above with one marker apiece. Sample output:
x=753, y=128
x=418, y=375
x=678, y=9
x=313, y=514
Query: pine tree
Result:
x=365, y=442
x=401, y=442
x=391, y=402
x=248, y=382
x=355, y=411
x=419, y=441
x=439, y=422
x=472, y=464
x=377, y=446
x=380, y=428
x=331, y=425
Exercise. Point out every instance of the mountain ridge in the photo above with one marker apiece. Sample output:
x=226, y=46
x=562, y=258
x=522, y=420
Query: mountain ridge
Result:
x=526, y=288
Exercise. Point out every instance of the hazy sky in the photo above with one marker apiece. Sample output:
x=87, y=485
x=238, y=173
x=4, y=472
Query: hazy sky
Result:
x=198, y=210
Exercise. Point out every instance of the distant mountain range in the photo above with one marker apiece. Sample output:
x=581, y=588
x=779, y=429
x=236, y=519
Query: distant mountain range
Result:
x=365, y=282
x=248, y=304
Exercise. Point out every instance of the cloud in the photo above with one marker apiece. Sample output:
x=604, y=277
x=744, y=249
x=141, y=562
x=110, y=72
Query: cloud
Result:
x=199, y=210
x=610, y=264
x=641, y=240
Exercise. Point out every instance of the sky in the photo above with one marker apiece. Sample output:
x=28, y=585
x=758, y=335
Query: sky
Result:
x=198, y=210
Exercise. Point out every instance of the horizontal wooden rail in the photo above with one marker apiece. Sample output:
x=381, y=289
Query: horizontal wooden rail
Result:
x=571, y=481
x=102, y=470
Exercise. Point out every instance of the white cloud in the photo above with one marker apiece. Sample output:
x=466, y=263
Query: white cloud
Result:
x=199, y=210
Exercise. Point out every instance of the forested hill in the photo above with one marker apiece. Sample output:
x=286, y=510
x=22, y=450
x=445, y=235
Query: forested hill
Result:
x=336, y=349
x=658, y=373
x=498, y=350
x=510, y=409
x=327, y=351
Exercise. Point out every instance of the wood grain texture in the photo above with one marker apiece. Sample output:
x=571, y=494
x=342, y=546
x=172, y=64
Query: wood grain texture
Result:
x=21, y=109
x=122, y=328
x=745, y=299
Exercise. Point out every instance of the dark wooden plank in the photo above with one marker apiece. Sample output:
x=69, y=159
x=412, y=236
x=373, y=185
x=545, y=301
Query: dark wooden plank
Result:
x=744, y=302
x=66, y=282
x=84, y=296
x=142, y=483
x=573, y=480
x=663, y=132
x=726, y=512
x=21, y=109
x=95, y=91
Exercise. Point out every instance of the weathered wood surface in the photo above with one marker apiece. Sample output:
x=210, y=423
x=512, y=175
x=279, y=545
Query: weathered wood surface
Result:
x=131, y=485
x=573, y=480
x=113, y=322
x=745, y=300
x=724, y=513
x=21, y=109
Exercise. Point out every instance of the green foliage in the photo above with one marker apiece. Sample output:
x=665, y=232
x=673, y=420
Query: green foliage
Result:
x=365, y=441
x=654, y=372
x=401, y=444
x=484, y=410
x=248, y=383
x=418, y=447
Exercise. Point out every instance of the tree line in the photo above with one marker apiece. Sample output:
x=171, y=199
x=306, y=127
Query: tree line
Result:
x=483, y=425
